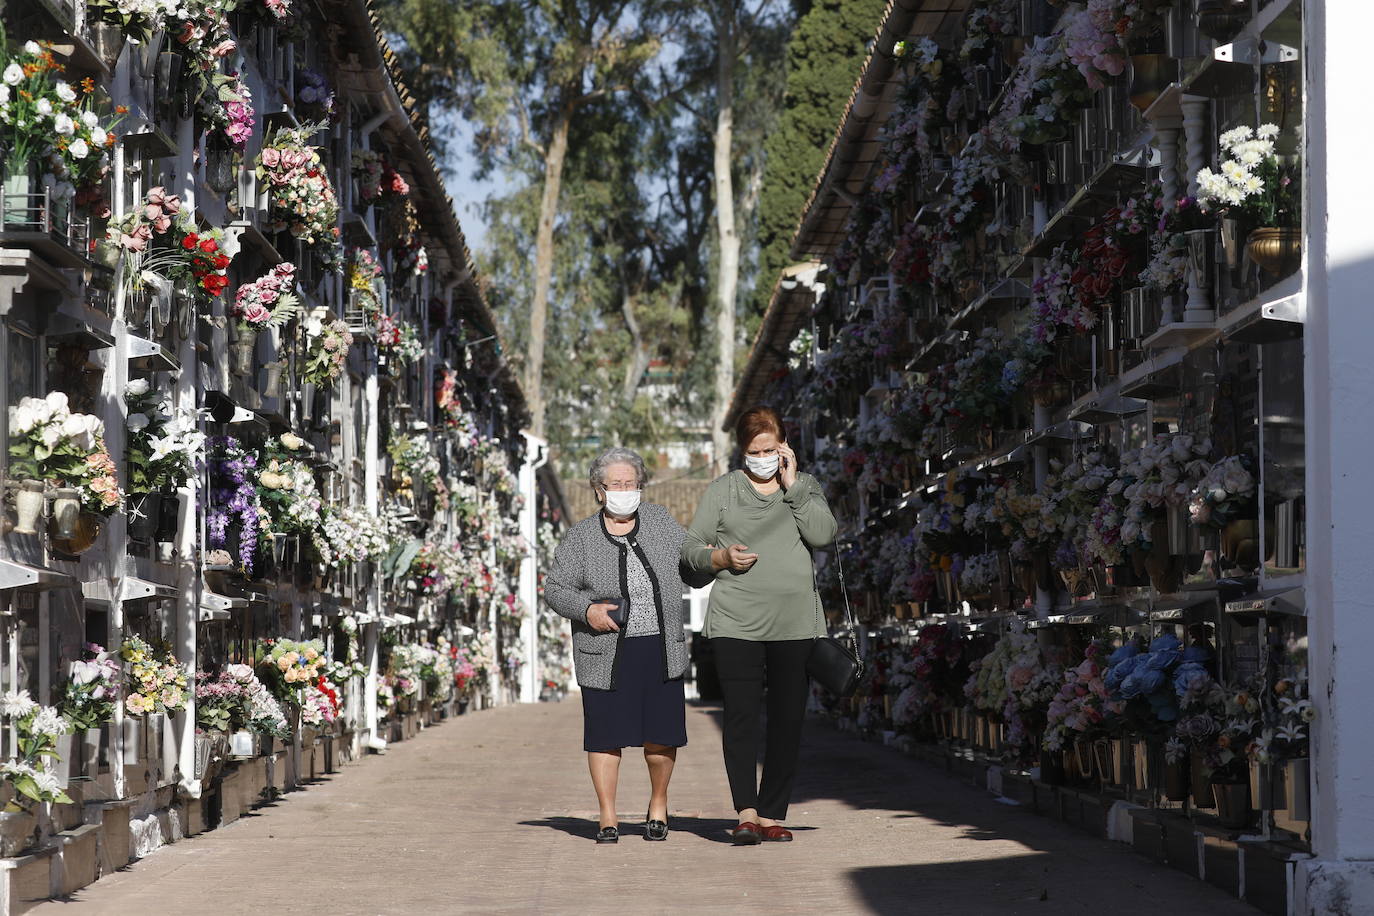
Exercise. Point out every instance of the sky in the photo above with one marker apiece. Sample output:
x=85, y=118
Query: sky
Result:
x=467, y=192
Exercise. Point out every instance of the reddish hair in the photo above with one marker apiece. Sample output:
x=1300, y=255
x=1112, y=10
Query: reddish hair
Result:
x=757, y=420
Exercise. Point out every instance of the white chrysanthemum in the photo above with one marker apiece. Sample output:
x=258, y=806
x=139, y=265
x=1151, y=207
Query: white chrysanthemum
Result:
x=1233, y=137
x=17, y=705
x=1267, y=131
x=50, y=722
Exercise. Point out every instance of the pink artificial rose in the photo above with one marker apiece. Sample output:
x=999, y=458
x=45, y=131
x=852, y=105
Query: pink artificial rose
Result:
x=295, y=158
x=271, y=157
x=162, y=223
x=256, y=313
x=152, y=211
x=172, y=204
x=224, y=48
x=157, y=195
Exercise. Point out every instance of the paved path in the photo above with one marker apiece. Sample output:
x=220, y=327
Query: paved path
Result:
x=493, y=813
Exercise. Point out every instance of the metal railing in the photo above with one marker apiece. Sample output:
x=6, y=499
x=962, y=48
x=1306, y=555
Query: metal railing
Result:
x=38, y=212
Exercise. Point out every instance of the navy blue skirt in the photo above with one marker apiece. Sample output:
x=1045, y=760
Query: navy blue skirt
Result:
x=642, y=707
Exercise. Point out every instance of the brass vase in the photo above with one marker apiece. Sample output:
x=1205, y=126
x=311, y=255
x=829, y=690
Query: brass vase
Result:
x=1276, y=249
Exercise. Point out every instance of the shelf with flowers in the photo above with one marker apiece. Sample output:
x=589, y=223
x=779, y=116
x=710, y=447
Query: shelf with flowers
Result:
x=398, y=340
x=164, y=448
x=56, y=138
x=366, y=287
x=325, y=345
x=293, y=671
x=156, y=682
x=58, y=458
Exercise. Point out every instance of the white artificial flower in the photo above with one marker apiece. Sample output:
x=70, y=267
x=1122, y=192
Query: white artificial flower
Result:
x=16, y=705
x=162, y=447
x=79, y=149
x=63, y=125
x=65, y=92
x=1233, y=137
x=4, y=94
x=137, y=421
x=1267, y=131
x=56, y=402
x=51, y=434
x=136, y=387
x=50, y=722
x=31, y=47
x=90, y=119
x=44, y=107
x=14, y=74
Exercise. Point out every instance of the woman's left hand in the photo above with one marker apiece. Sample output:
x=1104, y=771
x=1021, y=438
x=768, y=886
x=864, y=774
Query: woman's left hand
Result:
x=787, y=465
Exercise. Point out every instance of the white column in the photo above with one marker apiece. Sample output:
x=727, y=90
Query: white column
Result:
x=536, y=456
x=1340, y=440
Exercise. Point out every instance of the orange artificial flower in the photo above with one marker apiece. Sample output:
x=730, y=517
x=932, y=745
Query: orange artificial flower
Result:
x=88, y=85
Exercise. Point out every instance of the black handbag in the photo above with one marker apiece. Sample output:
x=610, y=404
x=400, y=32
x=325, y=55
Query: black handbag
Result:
x=620, y=615
x=834, y=662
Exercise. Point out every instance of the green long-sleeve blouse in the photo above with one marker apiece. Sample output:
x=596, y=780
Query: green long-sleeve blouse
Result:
x=775, y=599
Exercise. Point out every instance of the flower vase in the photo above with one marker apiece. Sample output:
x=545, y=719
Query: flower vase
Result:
x=1233, y=235
x=243, y=352
x=1221, y=20
x=1200, y=782
x=168, y=517
x=1298, y=776
x=143, y=515
x=90, y=751
x=1051, y=768
x=241, y=744
x=66, y=510
x=108, y=40
x=1276, y=249
x=219, y=163
x=307, y=400
x=17, y=832
x=1233, y=804
x=28, y=504
x=1151, y=74
x=17, y=207
x=1240, y=543
x=271, y=380
x=1144, y=764
x=87, y=531
x=62, y=765
x=1176, y=780
x=1267, y=789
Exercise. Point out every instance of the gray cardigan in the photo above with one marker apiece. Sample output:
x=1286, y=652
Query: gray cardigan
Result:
x=589, y=565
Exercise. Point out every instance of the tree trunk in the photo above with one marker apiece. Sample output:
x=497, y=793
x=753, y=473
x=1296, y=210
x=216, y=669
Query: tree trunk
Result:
x=727, y=234
x=554, y=156
x=639, y=352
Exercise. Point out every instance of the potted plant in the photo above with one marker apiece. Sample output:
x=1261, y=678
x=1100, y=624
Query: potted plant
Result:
x=1258, y=188
x=88, y=701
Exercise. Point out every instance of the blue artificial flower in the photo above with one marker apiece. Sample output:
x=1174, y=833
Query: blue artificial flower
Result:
x=1166, y=643
x=1142, y=682
x=1158, y=661
x=1120, y=671
x=1129, y=650
x=1196, y=653
x=1187, y=675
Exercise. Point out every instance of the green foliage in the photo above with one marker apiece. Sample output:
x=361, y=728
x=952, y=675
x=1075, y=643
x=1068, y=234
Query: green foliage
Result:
x=823, y=59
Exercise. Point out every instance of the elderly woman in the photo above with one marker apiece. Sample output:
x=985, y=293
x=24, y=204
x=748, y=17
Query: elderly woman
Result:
x=625, y=560
x=754, y=530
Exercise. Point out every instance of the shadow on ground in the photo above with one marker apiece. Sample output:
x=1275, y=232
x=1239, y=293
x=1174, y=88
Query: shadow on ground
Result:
x=715, y=829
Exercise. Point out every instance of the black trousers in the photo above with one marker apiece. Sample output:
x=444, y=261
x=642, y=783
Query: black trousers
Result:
x=746, y=667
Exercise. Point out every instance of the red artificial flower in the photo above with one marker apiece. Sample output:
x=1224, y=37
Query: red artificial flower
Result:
x=190, y=241
x=221, y=261
x=208, y=246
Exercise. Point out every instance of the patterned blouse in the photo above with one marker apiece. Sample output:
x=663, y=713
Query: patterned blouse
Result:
x=643, y=611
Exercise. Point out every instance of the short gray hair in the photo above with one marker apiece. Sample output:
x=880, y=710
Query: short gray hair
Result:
x=617, y=455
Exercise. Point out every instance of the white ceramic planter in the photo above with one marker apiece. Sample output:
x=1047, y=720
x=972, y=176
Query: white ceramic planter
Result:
x=28, y=504
x=66, y=511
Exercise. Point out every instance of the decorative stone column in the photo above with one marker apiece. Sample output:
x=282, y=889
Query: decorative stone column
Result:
x=1198, y=307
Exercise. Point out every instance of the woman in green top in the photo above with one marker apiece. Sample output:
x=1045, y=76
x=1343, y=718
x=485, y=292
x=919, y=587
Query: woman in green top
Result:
x=754, y=530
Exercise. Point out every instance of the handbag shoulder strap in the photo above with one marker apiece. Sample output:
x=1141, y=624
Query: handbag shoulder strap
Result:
x=844, y=590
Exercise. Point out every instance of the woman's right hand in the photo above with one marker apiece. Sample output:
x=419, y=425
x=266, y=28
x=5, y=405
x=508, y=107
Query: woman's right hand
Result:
x=599, y=618
x=736, y=558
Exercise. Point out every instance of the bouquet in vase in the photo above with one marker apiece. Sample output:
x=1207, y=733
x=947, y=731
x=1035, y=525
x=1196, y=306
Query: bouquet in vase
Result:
x=157, y=682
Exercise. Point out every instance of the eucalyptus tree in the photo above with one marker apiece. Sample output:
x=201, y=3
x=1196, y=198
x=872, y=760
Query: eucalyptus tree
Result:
x=523, y=73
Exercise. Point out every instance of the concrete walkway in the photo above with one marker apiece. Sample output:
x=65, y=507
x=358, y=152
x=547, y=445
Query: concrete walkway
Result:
x=494, y=813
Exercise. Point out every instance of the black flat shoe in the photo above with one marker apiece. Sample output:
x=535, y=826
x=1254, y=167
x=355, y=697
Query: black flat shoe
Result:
x=608, y=835
x=655, y=830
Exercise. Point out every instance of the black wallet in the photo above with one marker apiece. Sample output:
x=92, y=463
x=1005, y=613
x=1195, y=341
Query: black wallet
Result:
x=620, y=615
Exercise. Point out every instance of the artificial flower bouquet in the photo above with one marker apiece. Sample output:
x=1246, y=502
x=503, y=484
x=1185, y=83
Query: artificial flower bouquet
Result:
x=36, y=728
x=289, y=667
x=237, y=522
x=399, y=339
x=228, y=108
x=156, y=682
x=364, y=282
x=53, y=124
x=49, y=442
x=1080, y=709
x=162, y=246
x=1228, y=491
x=269, y=301
x=163, y=446
x=234, y=700
x=315, y=99
x=301, y=196
x=92, y=690
x=327, y=345
x=287, y=487
x=1155, y=477
x=1252, y=182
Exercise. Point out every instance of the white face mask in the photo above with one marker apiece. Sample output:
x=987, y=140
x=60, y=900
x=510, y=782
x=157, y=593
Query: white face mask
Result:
x=622, y=503
x=762, y=467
